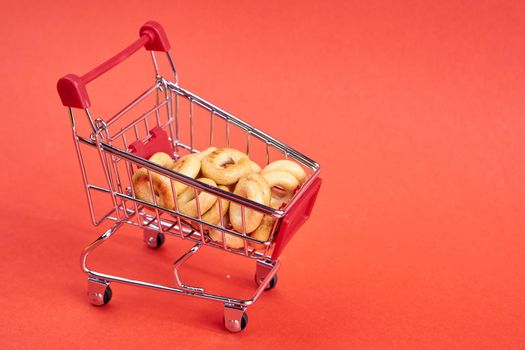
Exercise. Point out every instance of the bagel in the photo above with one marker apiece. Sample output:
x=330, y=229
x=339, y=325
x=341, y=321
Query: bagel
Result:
x=262, y=233
x=285, y=181
x=231, y=240
x=288, y=183
x=212, y=216
x=161, y=188
x=162, y=159
x=263, y=183
x=189, y=166
x=251, y=189
x=254, y=167
x=187, y=203
x=288, y=166
x=226, y=165
x=161, y=184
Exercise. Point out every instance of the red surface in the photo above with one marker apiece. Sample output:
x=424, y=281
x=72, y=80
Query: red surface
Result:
x=413, y=108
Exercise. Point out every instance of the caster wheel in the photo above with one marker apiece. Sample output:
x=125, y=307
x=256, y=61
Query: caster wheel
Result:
x=155, y=242
x=99, y=292
x=271, y=284
x=108, y=294
x=236, y=326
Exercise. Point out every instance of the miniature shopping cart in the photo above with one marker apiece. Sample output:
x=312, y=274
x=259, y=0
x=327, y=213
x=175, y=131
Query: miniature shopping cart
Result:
x=171, y=119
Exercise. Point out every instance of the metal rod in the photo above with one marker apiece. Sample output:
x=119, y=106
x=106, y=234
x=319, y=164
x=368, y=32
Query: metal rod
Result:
x=132, y=104
x=112, y=278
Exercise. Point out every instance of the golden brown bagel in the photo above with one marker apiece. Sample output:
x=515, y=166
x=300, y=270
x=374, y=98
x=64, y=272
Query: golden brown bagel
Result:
x=262, y=182
x=284, y=180
x=161, y=184
x=231, y=240
x=226, y=165
x=262, y=233
x=287, y=182
x=187, y=203
x=251, y=189
x=161, y=188
x=212, y=216
x=162, y=159
x=288, y=166
x=254, y=167
x=188, y=165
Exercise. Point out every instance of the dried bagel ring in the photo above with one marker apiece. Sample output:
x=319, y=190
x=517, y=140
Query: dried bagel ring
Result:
x=288, y=183
x=263, y=183
x=161, y=188
x=231, y=240
x=162, y=159
x=262, y=233
x=283, y=180
x=213, y=215
x=289, y=166
x=254, y=167
x=187, y=203
x=187, y=165
x=226, y=165
x=161, y=184
x=252, y=190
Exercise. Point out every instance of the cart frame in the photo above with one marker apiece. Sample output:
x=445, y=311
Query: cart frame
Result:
x=119, y=156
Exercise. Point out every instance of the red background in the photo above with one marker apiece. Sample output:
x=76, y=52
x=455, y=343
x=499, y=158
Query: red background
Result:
x=414, y=109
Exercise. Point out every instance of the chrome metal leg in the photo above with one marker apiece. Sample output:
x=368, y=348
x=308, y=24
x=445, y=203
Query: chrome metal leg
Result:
x=181, y=261
x=96, y=243
x=262, y=269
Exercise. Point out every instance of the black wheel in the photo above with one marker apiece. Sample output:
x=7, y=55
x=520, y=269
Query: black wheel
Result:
x=244, y=323
x=271, y=285
x=108, y=293
x=160, y=240
x=273, y=282
x=155, y=243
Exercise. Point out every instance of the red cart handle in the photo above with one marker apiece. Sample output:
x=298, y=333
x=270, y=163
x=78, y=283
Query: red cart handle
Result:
x=72, y=88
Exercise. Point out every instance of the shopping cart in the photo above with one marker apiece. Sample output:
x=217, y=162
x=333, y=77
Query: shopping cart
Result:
x=171, y=119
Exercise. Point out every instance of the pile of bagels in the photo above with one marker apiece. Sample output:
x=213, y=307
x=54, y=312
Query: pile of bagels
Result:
x=230, y=170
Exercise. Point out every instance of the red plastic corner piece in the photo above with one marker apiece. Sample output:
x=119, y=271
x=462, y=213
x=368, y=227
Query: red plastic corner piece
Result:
x=296, y=217
x=158, y=142
x=72, y=91
x=159, y=39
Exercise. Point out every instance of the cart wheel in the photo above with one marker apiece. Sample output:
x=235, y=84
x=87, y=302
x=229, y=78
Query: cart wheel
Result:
x=155, y=241
x=271, y=284
x=233, y=325
x=108, y=294
x=99, y=292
